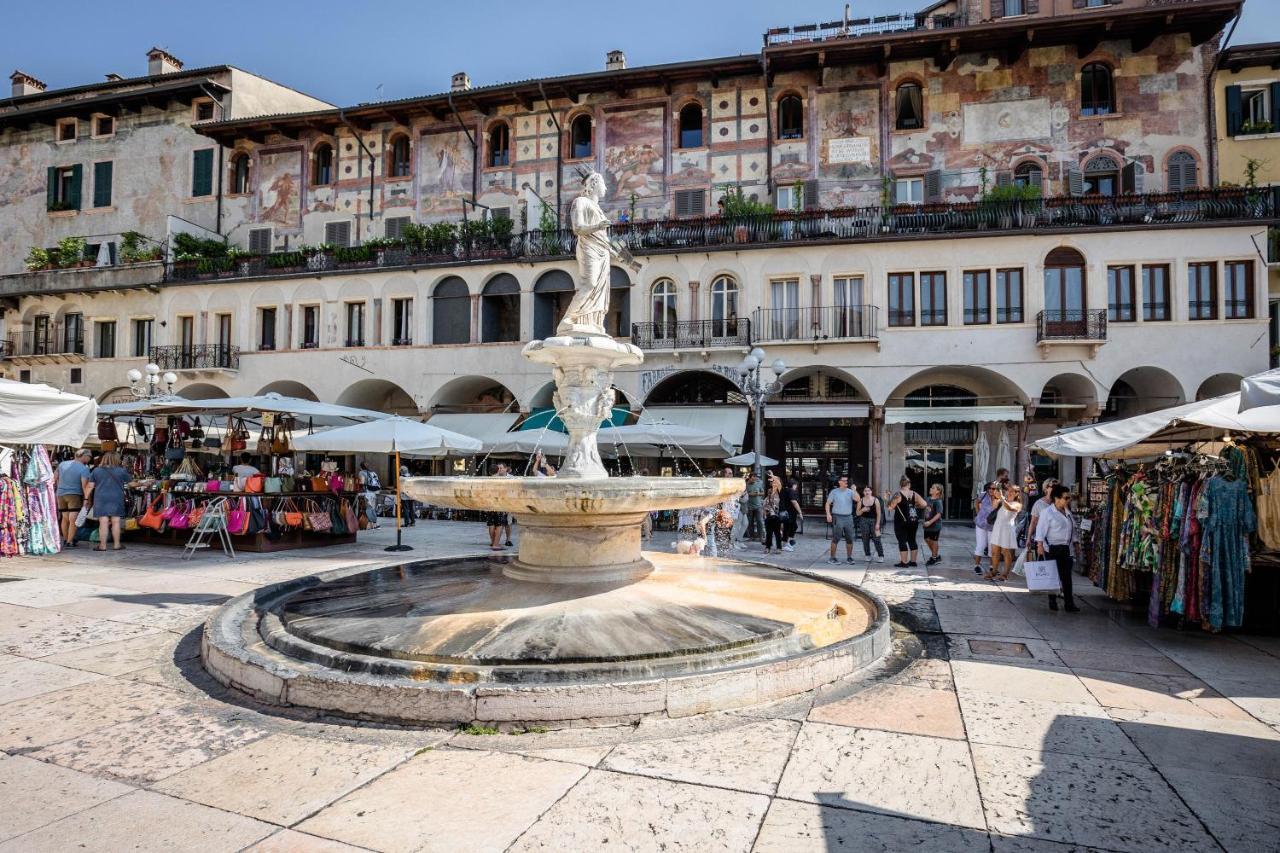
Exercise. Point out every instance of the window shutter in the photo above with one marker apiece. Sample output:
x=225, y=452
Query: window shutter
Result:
x=1004, y=178
x=691, y=202
x=933, y=185
x=499, y=213
x=51, y=189
x=1075, y=181
x=102, y=184
x=260, y=241
x=811, y=195
x=1235, y=113
x=1275, y=104
x=202, y=173
x=394, y=227
x=997, y=8
x=682, y=203
x=77, y=176
x=337, y=233
x=1131, y=178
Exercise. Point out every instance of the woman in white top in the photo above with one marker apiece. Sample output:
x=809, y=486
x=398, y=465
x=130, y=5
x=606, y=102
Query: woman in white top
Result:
x=1004, y=533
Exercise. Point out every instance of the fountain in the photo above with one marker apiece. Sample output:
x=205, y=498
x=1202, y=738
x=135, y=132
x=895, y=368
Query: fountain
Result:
x=580, y=625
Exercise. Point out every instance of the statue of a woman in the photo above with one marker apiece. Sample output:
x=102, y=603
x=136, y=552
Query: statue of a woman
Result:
x=586, y=313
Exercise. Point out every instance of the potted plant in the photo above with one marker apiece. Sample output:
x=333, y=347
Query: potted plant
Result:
x=1253, y=128
x=71, y=252
x=39, y=259
x=741, y=213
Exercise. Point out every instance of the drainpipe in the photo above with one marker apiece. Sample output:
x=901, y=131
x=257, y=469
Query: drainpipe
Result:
x=768, y=121
x=475, y=167
x=221, y=166
x=342, y=117
x=559, y=153
x=1211, y=106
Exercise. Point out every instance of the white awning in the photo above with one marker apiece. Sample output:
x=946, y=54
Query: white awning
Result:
x=40, y=414
x=792, y=411
x=950, y=414
x=481, y=425
x=727, y=421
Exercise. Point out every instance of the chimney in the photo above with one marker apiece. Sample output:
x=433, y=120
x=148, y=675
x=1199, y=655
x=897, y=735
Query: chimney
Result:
x=615, y=60
x=162, y=62
x=461, y=82
x=114, y=77
x=25, y=84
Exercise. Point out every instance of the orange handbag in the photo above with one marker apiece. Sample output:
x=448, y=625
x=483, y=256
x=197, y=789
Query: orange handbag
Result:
x=152, y=518
x=255, y=483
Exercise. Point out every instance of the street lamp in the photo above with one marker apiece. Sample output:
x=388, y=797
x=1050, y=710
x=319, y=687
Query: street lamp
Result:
x=756, y=389
x=145, y=383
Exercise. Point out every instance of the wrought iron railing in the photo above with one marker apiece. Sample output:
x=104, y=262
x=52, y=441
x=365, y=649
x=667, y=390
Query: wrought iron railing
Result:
x=54, y=339
x=692, y=334
x=201, y=357
x=825, y=322
x=859, y=224
x=861, y=27
x=1072, y=325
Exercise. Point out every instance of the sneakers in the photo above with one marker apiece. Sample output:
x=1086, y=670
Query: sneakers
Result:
x=880, y=558
x=788, y=547
x=832, y=560
x=977, y=570
x=851, y=561
x=899, y=565
x=912, y=564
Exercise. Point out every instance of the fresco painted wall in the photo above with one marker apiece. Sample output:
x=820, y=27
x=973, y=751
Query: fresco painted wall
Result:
x=634, y=150
x=279, y=182
x=444, y=176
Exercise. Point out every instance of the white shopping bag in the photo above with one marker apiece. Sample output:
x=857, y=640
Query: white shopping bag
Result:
x=1020, y=567
x=83, y=515
x=1042, y=576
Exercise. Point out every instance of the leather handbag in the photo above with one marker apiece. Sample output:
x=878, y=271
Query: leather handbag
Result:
x=107, y=430
x=335, y=483
x=280, y=442
x=197, y=513
x=213, y=443
x=213, y=486
x=109, y=445
x=238, y=519
x=153, y=518
x=181, y=519
x=318, y=520
x=160, y=436
x=349, y=517
x=237, y=435
x=337, y=524
x=350, y=483
x=319, y=484
x=272, y=486
x=292, y=515
x=263, y=447
x=255, y=484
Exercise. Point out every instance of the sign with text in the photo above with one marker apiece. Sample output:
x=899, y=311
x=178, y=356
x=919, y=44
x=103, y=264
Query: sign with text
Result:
x=849, y=149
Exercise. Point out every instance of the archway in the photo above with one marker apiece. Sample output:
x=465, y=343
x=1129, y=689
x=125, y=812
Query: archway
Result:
x=289, y=388
x=500, y=309
x=1142, y=390
x=451, y=312
x=552, y=293
x=618, y=321
x=1067, y=397
x=694, y=388
x=474, y=394
x=1217, y=385
x=820, y=384
x=379, y=395
x=202, y=391
x=119, y=394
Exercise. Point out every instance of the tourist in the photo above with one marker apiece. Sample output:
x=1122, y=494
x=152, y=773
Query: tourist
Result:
x=70, y=481
x=106, y=494
x=1002, y=476
x=245, y=468
x=1054, y=537
x=646, y=523
x=408, y=506
x=791, y=514
x=773, y=516
x=1004, y=532
x=839, y=511
x=370, y=485
x=907, y=508
x=755, y=506
x=983, y=505
x=933, y=524
x=870, y=521
x=1038, y=508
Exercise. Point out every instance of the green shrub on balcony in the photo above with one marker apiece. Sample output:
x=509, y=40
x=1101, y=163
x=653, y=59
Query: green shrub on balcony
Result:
x=189, y=247
x=71, y=251
x=1253, y=128
x=40, y=258
x=136, y=248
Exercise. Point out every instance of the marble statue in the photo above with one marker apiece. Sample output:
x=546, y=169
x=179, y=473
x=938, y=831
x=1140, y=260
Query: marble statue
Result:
x=586, y=313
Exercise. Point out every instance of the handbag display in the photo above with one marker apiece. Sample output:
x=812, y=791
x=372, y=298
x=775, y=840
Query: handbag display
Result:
x=337, y=524
x=272, y=486
x=263, y=447
x=153, y=518
x=181, y=518
x=318, y=520
x=238, y=519
x=319, y=484
x=1042, y=576
x=280, y=442
x=349, y=517
x=107, y=430
x=292, y=515
x=237, y=434
x=255, y=483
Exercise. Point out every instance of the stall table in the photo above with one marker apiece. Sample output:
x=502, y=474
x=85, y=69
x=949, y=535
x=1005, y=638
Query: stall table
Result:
x=289, y=539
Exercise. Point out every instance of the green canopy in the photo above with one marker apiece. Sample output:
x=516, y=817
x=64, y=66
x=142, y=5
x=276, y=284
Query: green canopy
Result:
x=539, y=418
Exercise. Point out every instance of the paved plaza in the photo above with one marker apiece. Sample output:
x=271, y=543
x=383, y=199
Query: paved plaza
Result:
x=994, y=725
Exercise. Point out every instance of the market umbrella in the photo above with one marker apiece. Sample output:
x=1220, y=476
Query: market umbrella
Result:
x=1004, y=454
x=641, y=437
x=41, y=414
x=393, y=435
x=981, y=459
x=749, y=459
x=1261, y=389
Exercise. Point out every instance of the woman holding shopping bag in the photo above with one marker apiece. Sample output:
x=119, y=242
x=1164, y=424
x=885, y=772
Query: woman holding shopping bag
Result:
x=1053, y=537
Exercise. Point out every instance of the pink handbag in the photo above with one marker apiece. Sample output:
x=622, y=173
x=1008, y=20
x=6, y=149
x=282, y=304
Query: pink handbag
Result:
x=238, y=519
x=213, y=486
x=335, y=483
x=181, y=519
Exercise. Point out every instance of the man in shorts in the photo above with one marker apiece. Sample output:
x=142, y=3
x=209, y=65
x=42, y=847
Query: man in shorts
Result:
x=839, y=508
x=69, y=483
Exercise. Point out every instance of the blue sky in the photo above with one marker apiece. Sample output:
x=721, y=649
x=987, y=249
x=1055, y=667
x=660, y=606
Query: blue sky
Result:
x=343, y=52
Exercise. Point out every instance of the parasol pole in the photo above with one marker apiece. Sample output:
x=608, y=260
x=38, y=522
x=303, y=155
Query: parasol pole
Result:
x=399, y=546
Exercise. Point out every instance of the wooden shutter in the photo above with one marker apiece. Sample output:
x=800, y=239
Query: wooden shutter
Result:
x=77, y=177
x=1075, y=181
x=393, y=227
x=1235, y=112
x=1004, y=178
x=202, y=173
x=1132, y=178
x=51, y=189
x=811, y=195
x=1274, y=115
x=691, y=202
x=338, y=233
x=102, y=184
x=933, y=185
x=997, y=8
x=260, y=241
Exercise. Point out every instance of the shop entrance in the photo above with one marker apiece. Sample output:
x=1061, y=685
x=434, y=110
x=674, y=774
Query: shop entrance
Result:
x=950, y=466
x=817, y=463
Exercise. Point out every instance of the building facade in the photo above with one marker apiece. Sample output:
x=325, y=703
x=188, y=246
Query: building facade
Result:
x=983, y=220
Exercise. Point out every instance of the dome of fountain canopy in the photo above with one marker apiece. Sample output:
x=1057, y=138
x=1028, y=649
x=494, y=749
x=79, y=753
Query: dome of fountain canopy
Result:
x=558, y=496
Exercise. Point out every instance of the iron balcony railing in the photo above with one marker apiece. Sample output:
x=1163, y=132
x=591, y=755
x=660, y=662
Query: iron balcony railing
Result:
x=199, y=357
x=692, y=334
x=825, y=322
x=860, y=27
x=856, y=224
x=1072, y=325
x=54, y=339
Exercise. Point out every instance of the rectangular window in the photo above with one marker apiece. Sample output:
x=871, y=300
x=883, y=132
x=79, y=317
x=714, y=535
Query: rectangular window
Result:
x=401, y=322
x=1121, y=301
x=67, y=130
x=1257, y=113
x=1155, y=293
x=338, y=233
x=63, y=189
x=1013, y=7
x=355, y=324
x=977, y=297
x=73, y=333
x=106, y=339
x=104, y=126
x=1202, y=291
x=260, y=241
x=310, y=326
x=788, y=198
x=394, y=227
x=933, y=299
x=77, y=376
x=1008, y=296
x=202, y=173
x=142, y=331
x=1237, y=290
x=785, y=302
x=908, y=191
x=902, y=299
x=691, y=202
x=187, y=337
x=267, y=329
x=102, y=184
x=204, y=110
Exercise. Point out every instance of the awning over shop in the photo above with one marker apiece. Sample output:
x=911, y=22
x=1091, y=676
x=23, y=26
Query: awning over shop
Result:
x=951, y=414
x=730, y=422
x=40, y=414
x=797, y=411
x=481, y=425
x=548, y=418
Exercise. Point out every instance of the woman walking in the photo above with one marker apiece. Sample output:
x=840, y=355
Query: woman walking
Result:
x=906, y=507
x=1054, y=537
x=982, y=507
x=1004, y=532
x=106, y=492
x=790, y=513
x=773, y=516
x=933, y=524
x=870, y=520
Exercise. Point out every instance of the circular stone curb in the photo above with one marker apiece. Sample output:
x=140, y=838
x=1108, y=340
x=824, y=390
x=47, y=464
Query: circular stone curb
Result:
x=235, y=652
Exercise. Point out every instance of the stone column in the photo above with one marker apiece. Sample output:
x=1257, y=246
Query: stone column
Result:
x=876, y=422
x=286, y=341
x=694, y=301
x=475, y=318
x=1021, y=456
x=815, y=300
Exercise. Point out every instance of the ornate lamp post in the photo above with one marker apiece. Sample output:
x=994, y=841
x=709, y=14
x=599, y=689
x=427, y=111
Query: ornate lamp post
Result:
x=756, y=389
x=146, y=385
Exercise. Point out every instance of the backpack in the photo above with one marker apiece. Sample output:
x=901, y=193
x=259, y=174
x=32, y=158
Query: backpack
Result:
x=912, y=513
x=371, y=482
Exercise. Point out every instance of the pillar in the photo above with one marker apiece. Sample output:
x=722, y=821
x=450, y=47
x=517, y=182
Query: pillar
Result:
x=876, y=417
x=1021, y=456
x=694, y=301
x=475, y=318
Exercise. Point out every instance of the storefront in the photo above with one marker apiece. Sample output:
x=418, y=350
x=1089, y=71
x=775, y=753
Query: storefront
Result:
x=818, y=443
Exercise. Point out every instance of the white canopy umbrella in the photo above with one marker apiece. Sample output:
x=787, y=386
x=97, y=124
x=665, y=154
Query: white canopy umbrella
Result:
x=1262, y=389
x=551, y=442
x=319, y=413
x=1004, y=456
x=41, y=414
x=646, y=438
x=391, y=435
x=749, y=460
x=981, y=459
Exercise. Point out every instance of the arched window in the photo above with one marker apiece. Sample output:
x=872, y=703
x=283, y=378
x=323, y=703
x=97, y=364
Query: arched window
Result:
x=691, y=126
x=580, y=137
x=664, y=308
x=1028, y=175
x=399, y=163
x=499, y=145
x=240, y=174
x=724, y=306
x=935, y=396
x=322, y=171
x=909, y=107
x=451, y=312
x=1182, y=172
x=1064, y=293
x=1097, y=94
x=790, y=117
x=1102, y=176
x=500, y=309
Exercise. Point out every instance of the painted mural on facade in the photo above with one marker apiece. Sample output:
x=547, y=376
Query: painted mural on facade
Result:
x=279, y=184
x=445, y=166
x=633, y=155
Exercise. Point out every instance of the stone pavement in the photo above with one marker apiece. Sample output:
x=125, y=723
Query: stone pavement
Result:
x=995, y=726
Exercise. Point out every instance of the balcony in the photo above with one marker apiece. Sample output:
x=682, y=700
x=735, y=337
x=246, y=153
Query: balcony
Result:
x=693, y=334
x=844, y=225
x=53, y=343
x=814, y=325
x=1062, y=326
x=205, y=358
x=859, y=28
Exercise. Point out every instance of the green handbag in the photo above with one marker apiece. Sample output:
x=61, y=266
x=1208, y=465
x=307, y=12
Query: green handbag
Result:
x=273, y=486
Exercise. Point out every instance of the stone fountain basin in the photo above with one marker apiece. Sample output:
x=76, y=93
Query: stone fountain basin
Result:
x=571, y=496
